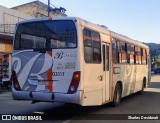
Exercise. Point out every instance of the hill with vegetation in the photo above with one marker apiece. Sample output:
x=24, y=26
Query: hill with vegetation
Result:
x=155, y=54
x=154, y=50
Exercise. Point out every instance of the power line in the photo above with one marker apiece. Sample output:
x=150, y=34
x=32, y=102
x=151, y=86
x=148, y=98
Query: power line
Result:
x=53, y=5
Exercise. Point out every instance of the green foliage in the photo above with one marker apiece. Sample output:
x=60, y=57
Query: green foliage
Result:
x=158, y=62
x=155, y=53
x=154, y=50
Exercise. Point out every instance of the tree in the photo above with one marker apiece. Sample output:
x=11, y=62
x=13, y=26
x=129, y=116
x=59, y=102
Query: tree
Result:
x=158, y=61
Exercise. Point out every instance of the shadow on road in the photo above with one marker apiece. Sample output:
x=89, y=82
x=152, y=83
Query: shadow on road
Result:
x=69, y=111
x=72, y=111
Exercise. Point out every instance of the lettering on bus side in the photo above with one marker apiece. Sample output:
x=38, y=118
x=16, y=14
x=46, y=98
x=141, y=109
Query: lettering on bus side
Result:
x=58, y=73
x=60, y=66
x=67, y=65
x=70, y=65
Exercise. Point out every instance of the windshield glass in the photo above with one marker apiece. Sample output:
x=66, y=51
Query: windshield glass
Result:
x=46, y=34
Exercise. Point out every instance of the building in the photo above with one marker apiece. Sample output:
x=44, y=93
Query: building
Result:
x=8, y=20
x=38, y=9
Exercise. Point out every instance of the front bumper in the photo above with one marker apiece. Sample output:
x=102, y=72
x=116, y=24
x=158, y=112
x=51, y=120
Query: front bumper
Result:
x=47, y=97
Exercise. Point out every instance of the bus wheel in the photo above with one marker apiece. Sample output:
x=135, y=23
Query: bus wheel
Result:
x=117, y=95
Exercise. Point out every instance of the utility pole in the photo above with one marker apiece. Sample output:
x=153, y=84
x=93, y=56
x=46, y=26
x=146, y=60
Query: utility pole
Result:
x=48, y=8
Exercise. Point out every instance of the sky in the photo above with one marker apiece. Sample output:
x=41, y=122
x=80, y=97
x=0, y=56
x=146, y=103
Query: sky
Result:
x=136, y=19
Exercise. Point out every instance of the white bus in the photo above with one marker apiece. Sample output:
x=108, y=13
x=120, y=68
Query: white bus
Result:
x=71, y=60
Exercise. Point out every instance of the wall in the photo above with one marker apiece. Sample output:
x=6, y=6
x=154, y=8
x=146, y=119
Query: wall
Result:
x=8, y=19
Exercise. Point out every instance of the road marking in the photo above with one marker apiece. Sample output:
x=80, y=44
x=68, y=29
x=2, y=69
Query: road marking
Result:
x=38, y=112
x=70, y=119
x=67, y=121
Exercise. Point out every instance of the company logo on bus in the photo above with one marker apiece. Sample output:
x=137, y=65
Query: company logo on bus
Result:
x=61, y=54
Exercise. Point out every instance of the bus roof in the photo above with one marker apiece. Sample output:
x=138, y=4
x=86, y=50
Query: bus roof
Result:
x=90, y=25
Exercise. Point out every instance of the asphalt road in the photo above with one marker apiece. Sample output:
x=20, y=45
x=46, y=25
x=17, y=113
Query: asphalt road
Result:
x=148, y=103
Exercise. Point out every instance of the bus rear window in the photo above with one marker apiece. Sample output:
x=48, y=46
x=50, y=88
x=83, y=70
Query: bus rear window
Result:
x=46, y=34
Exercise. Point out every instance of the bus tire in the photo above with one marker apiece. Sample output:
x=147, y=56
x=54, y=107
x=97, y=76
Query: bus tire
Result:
x=117, y=95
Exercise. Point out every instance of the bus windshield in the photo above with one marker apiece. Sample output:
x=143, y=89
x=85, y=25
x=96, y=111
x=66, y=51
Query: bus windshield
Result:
x=56, y=34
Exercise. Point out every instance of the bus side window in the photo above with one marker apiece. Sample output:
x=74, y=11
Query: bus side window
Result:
x=118, y=52
x=138, y=55
x=96, y=47
x=144, y=56
x=88, y=53
x=130, y=53
x=115, y=53
x=123, y=52
x=92, y=46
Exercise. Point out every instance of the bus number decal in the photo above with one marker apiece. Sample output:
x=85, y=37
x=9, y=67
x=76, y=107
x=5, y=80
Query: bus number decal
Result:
x=58, y=73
